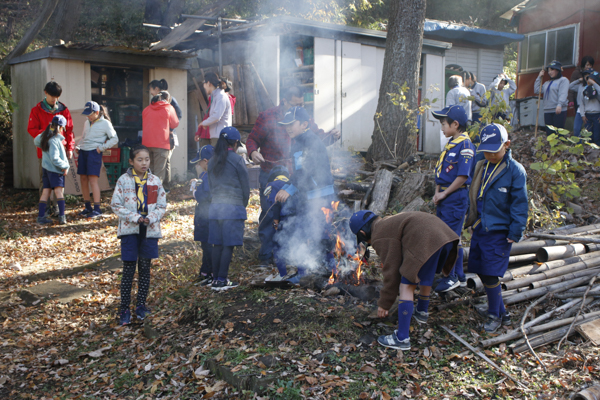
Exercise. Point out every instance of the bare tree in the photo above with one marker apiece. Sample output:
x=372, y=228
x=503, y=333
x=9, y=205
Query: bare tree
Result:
x=67, y=19
x=391, y=137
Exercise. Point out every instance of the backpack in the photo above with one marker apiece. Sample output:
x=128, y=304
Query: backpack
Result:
x=590, y=93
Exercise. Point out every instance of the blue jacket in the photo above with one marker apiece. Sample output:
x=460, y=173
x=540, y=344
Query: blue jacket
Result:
x=278, y=211
x=232, y=186
x=203, y=197
x=55, y=159
x=505, y=204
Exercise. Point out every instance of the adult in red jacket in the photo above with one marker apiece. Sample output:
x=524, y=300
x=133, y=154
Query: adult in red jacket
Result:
x=158, y=119
x=40, y=117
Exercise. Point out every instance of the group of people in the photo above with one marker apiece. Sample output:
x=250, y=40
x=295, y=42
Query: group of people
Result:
x=465, y=87
x=51, y=126
x=490, y=194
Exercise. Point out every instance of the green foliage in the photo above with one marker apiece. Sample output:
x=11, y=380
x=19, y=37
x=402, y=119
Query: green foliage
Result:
x=488, y=116
x=7, y=107
x=559, y=156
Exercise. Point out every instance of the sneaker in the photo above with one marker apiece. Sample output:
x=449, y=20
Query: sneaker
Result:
x=44, y=220
x=393, y=342
x=204, y=280
x=294, y=280
x=222, y=285
x=142, y=312
x=421, y=316
x=492, y=324
x=125, y=318
x=195, y=159
x=86, y=212
x=506, y=317
x=463, y=282
x=62, y=219
x=94, y=214
x=447, y=284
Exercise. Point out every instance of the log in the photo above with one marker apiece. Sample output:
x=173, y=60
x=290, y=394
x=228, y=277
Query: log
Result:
x=252, y=105
x=545, y=275
x=381, y=191
x=563, y=278
x=581, y=239
x=545, y=254
x=357, y=187
x=533, y=293
x=538, y=329
x=365, y=173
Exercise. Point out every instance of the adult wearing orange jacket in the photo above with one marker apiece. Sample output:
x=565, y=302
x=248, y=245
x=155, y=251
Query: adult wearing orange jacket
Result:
x=158, y=119
x=40, y=117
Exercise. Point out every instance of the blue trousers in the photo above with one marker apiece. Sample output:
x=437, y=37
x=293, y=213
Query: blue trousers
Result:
x=452, y=211
x=265, y=229
x=593, y=125
x=577, y=125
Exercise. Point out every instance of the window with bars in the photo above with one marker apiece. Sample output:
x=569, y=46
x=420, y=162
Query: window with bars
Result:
x=540, y=48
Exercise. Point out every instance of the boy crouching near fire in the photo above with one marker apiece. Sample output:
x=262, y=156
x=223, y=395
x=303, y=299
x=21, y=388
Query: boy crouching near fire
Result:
x=497, y=215
x=413, y=246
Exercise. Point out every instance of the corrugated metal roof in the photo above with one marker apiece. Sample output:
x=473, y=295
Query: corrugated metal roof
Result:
x=126, y=50
x=471, y=34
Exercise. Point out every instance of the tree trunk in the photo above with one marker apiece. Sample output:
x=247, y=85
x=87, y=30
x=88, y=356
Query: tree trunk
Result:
x=391, y=137
x=67, y=19
x=152, y=12
x=173, y=12
x=32, y=32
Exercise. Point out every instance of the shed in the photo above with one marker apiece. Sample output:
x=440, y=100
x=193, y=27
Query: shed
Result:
x=339, y=66
x=554, y=31
x=114, y=76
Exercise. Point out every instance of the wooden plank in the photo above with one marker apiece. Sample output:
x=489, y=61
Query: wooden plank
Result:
x=264, y=93
x=200, y=93
x=252, y=105
x=381, y=191
x=240, y=105
x=590, y=331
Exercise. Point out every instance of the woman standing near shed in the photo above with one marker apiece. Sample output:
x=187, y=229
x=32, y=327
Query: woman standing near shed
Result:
x=555, y=93
x=219, y=115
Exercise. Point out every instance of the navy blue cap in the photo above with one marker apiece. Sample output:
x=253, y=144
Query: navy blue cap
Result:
x=277, y=171
x=59, y=120
x=91, y=107
x=360, y=219
x=595, y=76
x=455, y=112
x=493, y=137
x=230, y=133
x=588, y=71
x=295, y=114
x=206, y=152
x=554, y=65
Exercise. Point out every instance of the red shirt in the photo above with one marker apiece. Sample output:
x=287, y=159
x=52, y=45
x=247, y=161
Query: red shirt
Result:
x=39, y=119
x=272, y=139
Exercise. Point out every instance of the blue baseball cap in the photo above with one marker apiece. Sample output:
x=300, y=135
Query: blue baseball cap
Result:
x=91, y=107
x=295, y=114
x=455, y=112
x=493, y=137
x=230, y=133
x=360, y=219
x=206, y=152
x=59, y=120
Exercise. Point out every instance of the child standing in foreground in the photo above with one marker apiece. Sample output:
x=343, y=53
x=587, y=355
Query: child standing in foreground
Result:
x=98, y=135
x=54, y=167
x=452, y=179
x=201, y=222
x=140, y=202
x=413, y=247
x=498, y=215
x=230, y=190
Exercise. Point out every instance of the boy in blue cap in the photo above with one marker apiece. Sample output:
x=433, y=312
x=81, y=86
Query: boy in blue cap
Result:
x=413, y=247
x=497, y=214
x=452, y=179
x=277, y=215
x=201, y=222
x=310, y=186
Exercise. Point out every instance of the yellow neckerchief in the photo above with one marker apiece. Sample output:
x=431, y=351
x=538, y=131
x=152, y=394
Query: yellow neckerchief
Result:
x=141, y=199
x=96, y=120
x=484, y=182
x=282, y=178
x=452, y=143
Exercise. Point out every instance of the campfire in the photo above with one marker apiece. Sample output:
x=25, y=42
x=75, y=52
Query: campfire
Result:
x=348, y=269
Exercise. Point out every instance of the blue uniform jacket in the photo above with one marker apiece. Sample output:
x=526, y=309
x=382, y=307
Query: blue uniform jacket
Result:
x=311, y=176
x=232, y=186
x=203, y=199
x=505, y=204
x=457, y=162
x=278, y=211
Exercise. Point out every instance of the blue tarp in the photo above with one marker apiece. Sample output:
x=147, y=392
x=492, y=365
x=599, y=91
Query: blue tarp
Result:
x=447, y=31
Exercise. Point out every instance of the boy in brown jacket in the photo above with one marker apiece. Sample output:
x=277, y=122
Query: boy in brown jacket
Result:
x=413, y=246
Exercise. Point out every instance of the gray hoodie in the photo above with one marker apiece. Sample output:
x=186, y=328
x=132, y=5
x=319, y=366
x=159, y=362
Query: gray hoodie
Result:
x=99, y=135
x=498, y=96
x=478, y=91
x=557, y=95
x=460, y=95
x=589, y=106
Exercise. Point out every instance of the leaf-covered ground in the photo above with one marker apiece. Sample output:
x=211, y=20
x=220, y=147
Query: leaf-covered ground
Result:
x=283, y=343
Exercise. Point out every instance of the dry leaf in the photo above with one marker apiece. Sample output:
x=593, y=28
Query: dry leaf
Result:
x=385, y=396
x=311, y=380
x=276, y=321
x=98, y=353
x=218, y=386
x=201, y=372
x=148, y=367
x=369, y=370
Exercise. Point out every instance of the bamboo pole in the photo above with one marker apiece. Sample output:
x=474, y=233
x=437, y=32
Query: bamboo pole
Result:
x=581, y=239
x=545, y=254
x=524, y=247
x=544, y=275
x=533, y=293
x=562, y=278
x=577, y=292
x=539, y=268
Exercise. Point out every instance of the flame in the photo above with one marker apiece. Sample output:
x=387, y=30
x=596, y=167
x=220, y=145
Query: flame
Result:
x=331, y=280
x=328, y=214
x=334, y=205
x=339, y=246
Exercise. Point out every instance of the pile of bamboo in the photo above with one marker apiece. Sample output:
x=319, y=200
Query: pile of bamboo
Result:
x=563, y=269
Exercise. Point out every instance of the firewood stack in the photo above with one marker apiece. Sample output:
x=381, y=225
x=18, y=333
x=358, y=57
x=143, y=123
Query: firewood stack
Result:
x=562, y=276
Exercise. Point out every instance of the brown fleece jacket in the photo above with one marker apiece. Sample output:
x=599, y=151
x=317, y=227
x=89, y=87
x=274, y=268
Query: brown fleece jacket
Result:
x=404, y=242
